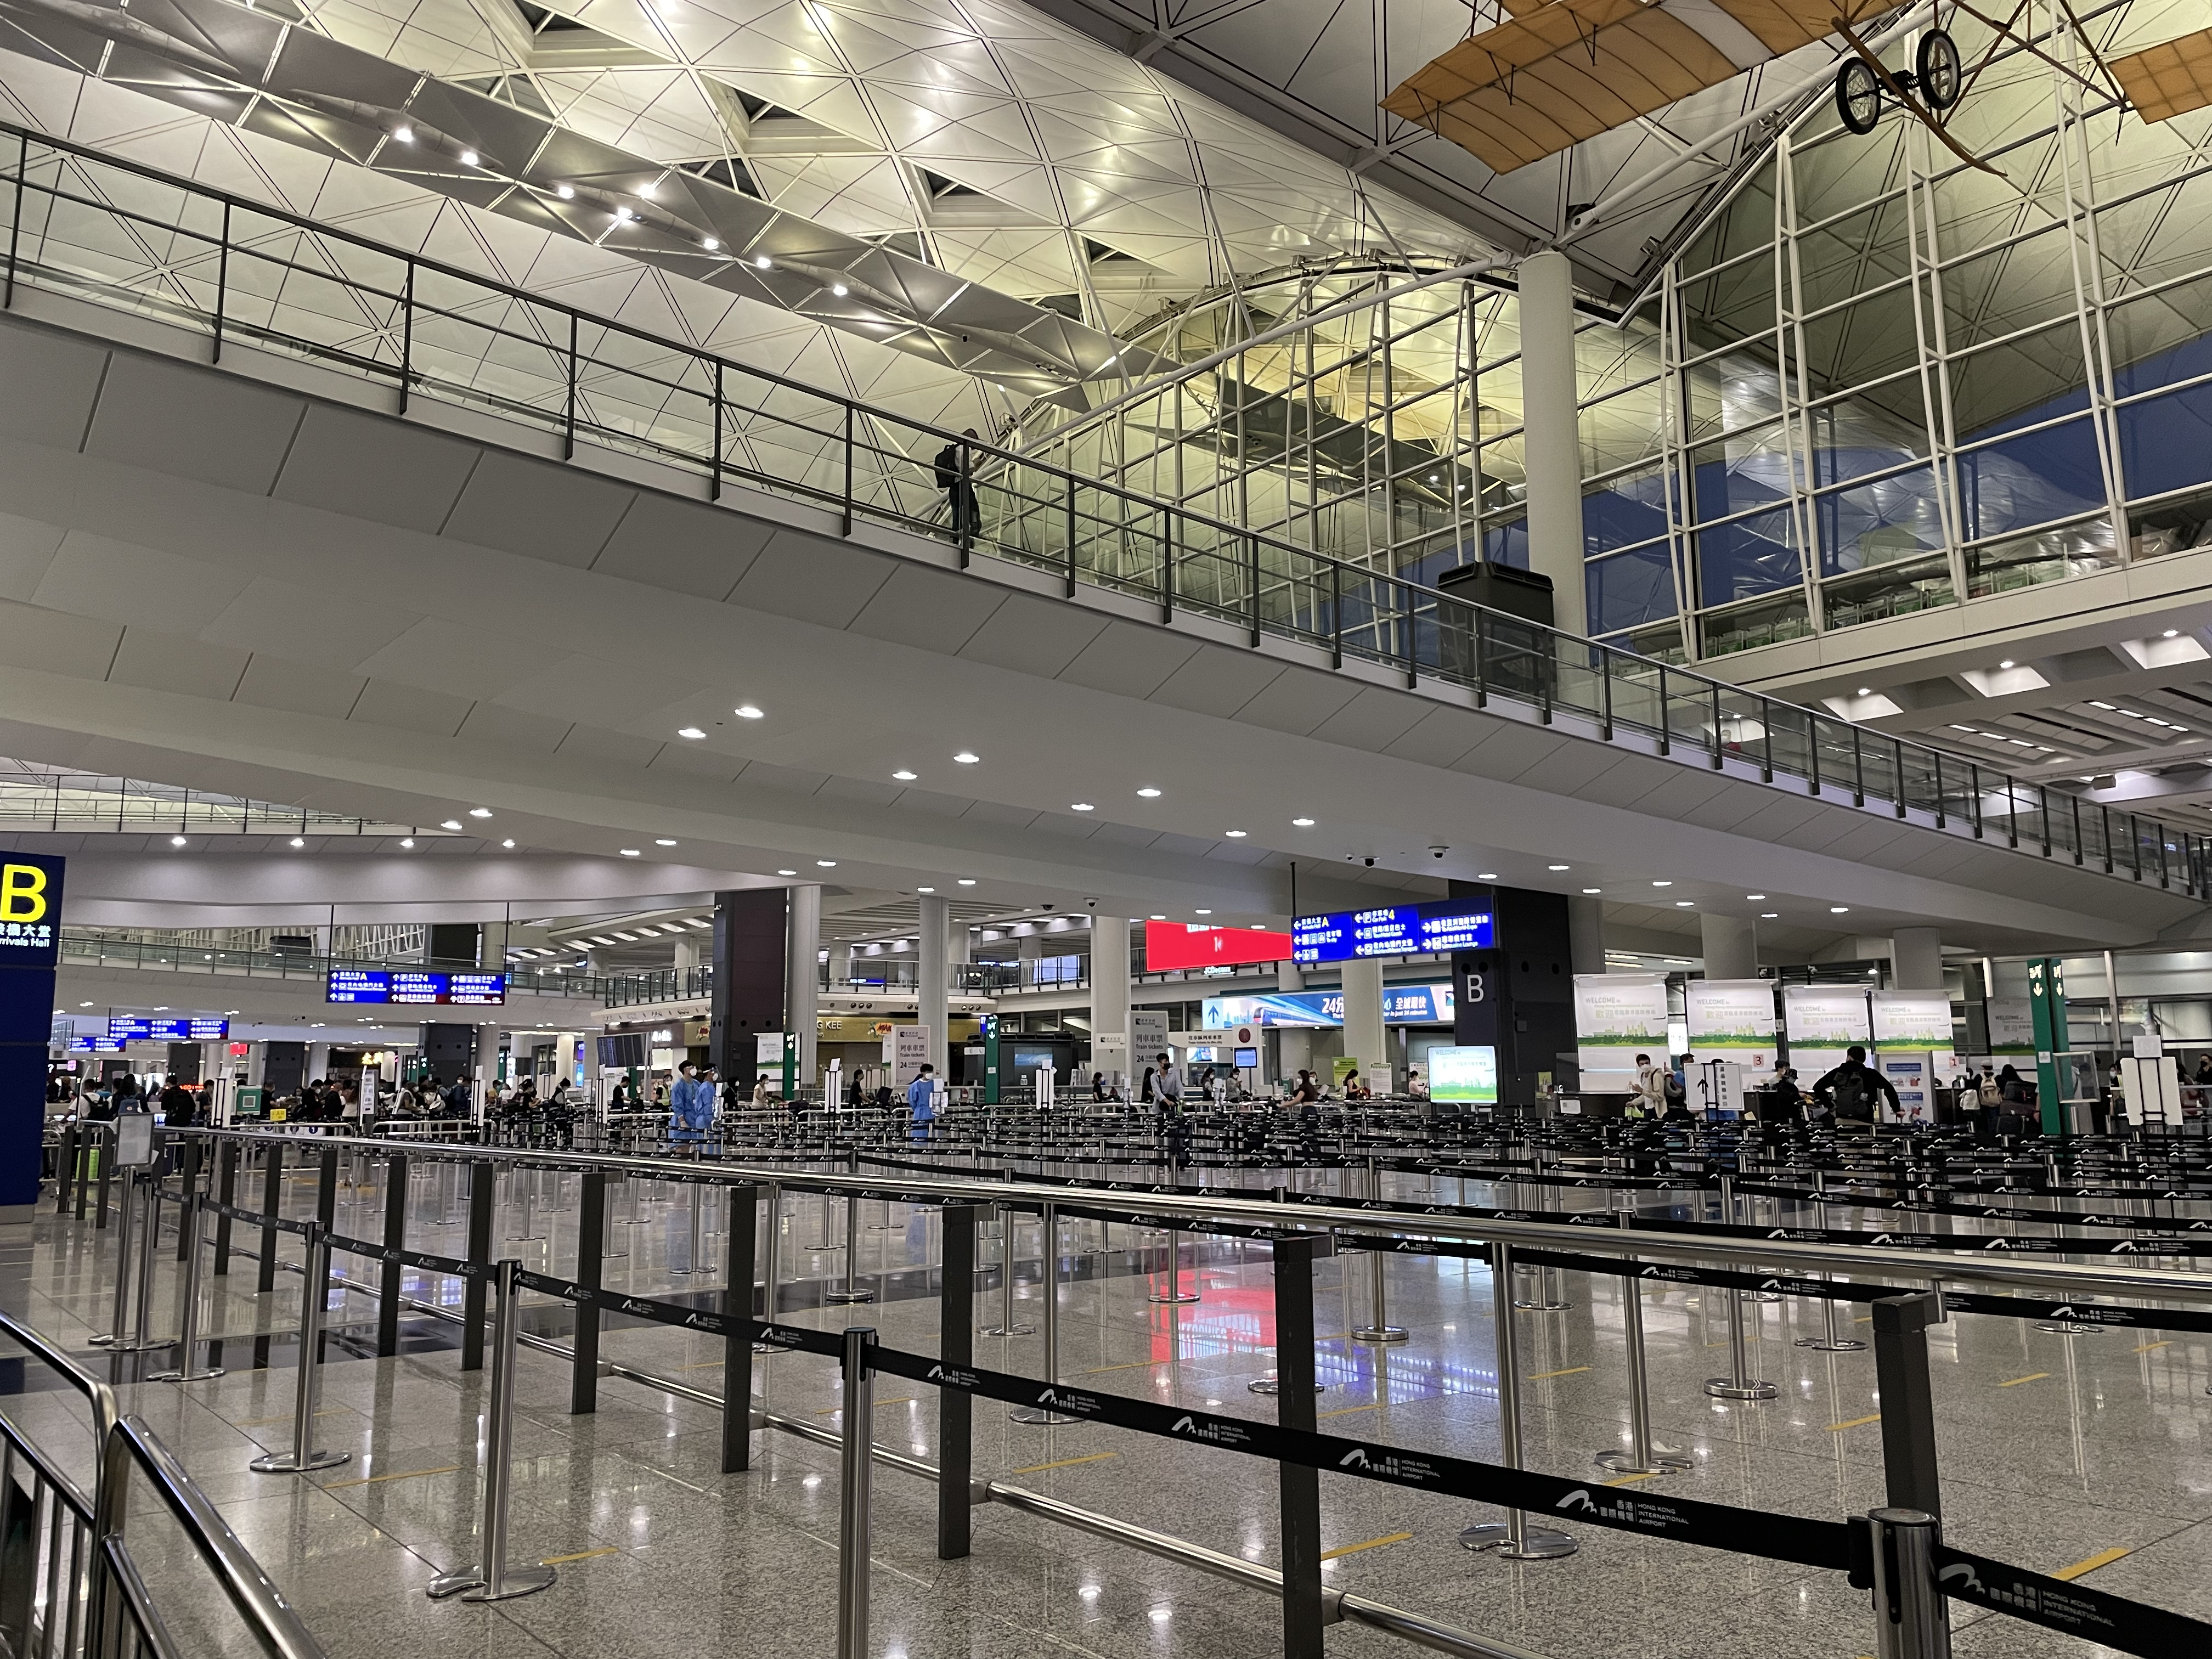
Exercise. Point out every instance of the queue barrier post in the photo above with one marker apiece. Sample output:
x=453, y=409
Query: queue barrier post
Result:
x=65, y=1171
x=1007, y=1325
x=395, y=1238
x=1379, y=1329
x=857, y=1468
x=1513, y=1539
x=188, y=1324
x=1050, y=1249
x=272, y=1205
x=955, y=1346
x=1908, y=1406
x=1306, y=1602
x=771, y=1257
x=492, y=1579
x=741, y=1207
x=225, y=1193
x=1645, y=1456
x=126, y=1239
x=1911, y=1619
x=106, y=1174
x=314, y=1300
x=149, y=1235
x=1831, y=1340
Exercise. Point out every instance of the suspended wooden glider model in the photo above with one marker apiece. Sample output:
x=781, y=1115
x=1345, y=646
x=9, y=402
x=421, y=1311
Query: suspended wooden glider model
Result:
x=1558, y=71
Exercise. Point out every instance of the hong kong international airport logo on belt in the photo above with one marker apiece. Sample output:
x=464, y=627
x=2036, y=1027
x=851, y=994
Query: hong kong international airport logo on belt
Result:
x=30, y=909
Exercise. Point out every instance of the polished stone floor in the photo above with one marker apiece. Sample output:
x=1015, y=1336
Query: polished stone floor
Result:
x=2058, y=1452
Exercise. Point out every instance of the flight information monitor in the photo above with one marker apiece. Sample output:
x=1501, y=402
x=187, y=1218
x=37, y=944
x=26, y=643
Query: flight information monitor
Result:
x=1401, y=930
x=407, y=985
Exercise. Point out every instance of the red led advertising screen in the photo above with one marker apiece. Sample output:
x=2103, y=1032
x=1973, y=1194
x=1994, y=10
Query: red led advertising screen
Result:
x=1171, y=945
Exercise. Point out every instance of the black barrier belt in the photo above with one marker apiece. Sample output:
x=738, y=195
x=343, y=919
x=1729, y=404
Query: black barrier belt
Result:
x=254, y=1218
x=2081, y=1313
x=1716, y=1525
x=703, y=1320
x=2001, y=1212
x=2075, y=1610
x=428, y=1263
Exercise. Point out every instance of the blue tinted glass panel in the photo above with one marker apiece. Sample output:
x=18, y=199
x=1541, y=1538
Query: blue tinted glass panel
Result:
x=1507, y=544
x=1625, y=511
x=1630, y=589
x=1751, y=555
x=1740, y=474
x=2030, y=480
x=2165, y=443
x=1895, y=518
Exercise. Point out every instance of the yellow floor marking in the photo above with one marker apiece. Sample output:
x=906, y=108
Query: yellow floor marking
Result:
x=1855, y=1422
x=581, y=1555
x=266, y=1422
x=1064, y=1464
x=703, y=1365
x=371, y=1480
x=2147, y=1346
x=2032, y=1376
x=1863, y=1319
x=2102, y=1558
x=1133, y=1365
x=1572, y=1371
x=1347, y=1411
x=1631, y=1480
x=1372, y=1544
x=831, y=1411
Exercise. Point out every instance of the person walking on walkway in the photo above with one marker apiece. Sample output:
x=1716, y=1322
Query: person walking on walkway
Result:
x=955, y=476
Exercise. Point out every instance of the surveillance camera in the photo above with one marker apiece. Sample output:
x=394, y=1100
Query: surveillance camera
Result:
x=1439, y=852
x=1091, y=902
x=1044, y=906
x=1370, y=863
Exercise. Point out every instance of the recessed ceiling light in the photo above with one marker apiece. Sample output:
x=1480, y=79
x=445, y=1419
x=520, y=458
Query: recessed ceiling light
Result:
x=1593, y=890
x=1201, y=913
x=1866, y=690
x=2007, y=663
x=298, y=841
x=1662, y=884
x=967, y=881
x=712, y=244
x=837, y=288
x=905, y=776
x=1301, y=823
x=403, y=134
x=762, y=261
x=622, y=215
x=1770, y=915
x=925, y=889
x=1754, y=898
x=825, y=864
x=662, y=841
x=1234, y=835
x=688, y=731
x=480, y=812
x=745, y=711
x=469, y=158
x=566, y=192
x=787, y=872
x=407, y=841
x=1485, y=875
x=1149, y=793
x=2171, y=633
x=967, y=758
x=1160, y=918
x=1558, y=866
x=176, y=840
x=510, y=842
x=629, y=851
x=1839, y=909
x=1684, y=904
x=451, y=824
x=84, y=1004
x=1081, y=806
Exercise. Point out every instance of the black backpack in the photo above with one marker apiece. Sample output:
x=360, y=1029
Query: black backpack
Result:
x=1852, y=1093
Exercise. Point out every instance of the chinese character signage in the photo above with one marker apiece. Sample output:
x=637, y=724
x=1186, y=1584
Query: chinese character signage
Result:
x=396, y=985
x=1402, y=930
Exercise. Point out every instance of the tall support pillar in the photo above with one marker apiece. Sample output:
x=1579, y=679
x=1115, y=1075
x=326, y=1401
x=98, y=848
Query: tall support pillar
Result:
x=746, y=997
x=802, y=993
x=1916, y=958
x=932, y=976
x=1731, y=947
x=1552, y=443
x=1110, y=996
x=1364, y=1038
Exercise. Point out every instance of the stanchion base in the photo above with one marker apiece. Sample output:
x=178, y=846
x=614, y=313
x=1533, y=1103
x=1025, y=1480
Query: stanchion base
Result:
x=1380, y=1333
x=1762, y=1296
x=1032, y=1415
x=1727, y=1387
x=1180, y=1299
x=2068, y=1328
x=1838, y=1345
x=517, y=1581
x=1537, y=1543
x=1543, y=1307
x=1007, y=1330
x=285, y=1463
x=1270, y=1383
x=846, y=1298
x=185, y=1376
x=1662, y=1460
x=102, y=1341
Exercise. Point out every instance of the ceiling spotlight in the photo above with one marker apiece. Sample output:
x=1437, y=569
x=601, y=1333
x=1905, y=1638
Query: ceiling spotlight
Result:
x=967, y=758
x=84, y=1004
x=2171, y=633
x=905, y=776
x=1593, y=890
x=1662, y=884
x=480, y=812
x=662, y=840
x=711, y=243
x=925, y=889
x=298, y=841
x=622, y=215
x=1149, y=793
x=1081, y=806
x=451, y=824
x=566, y=192
x=787, y=872
x=1485, y=875
x=825, y=864
x=1770, y=915
x=1754, y=898
x=508, y=844
x=1684, y=904
x=1301, y=823
x=1866, y=690
x=647, y=189
x=745, y=711
x=1839, y=909
x=967, y=881
x=402, y=135
x=762, y=261
x=688, y=731
x=1201, y=913
x=838, y=289
x=1234, y=835
x=629, y=851
x=176, y=840
x=1558, y=866
x=407, y=841
x=1160, y=918
x=469, y=158
x=2007, y=663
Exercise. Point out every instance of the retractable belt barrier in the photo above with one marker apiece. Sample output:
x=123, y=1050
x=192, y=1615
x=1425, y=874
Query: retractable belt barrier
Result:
x=2074, y=1609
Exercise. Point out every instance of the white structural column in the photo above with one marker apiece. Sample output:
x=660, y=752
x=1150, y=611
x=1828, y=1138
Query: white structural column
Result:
x=802, y=993
x=1731, y=946
x=1916, y=958
x=1552, y=443
x=1110, y=995
x=932, y=976
x=690, y=952
x=1364, y=1039
x=1586, y=935
x=318, y=1061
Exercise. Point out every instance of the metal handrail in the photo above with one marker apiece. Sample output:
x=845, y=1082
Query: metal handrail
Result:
x=1626, y=1242
x=1159, y=551
x=126, y=1446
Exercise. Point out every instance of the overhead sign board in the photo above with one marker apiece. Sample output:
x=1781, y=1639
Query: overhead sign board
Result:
x=395, y=985
x=1173, y=944
x=1402, y=1005
x=1401, y=930
x=30, y=911
x=167, y=1030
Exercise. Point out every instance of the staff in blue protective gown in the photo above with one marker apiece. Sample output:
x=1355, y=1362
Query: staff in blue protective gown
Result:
x=922, y=1100
x=690, y=1107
